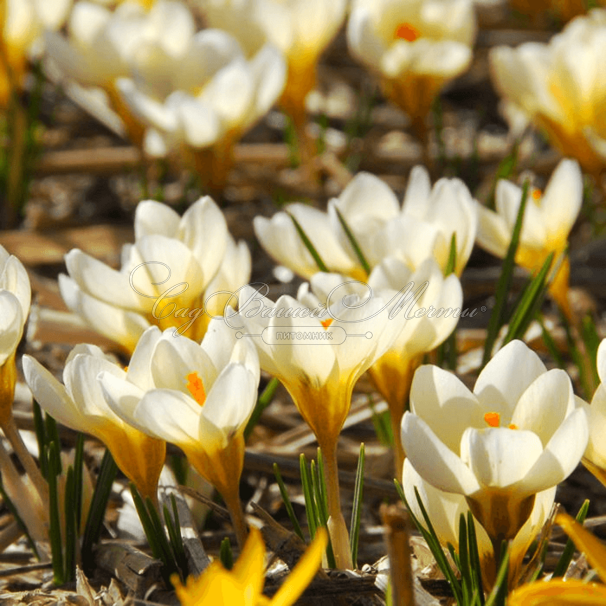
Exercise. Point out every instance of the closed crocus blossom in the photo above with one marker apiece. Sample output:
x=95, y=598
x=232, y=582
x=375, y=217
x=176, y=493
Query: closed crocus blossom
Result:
x=79, y=403
x=15, y=298
x=445, y=508
x=300, y=29
x=548, y=219
x=243, y=585
x=563, y=98
x=320, y=370
x=415, y=46
x=165, y=275
x=595, y=455
x=422, y=226
x=209, y=96
x=201, y=400
x=519, y=433
x=424, y=308
x=103, y=45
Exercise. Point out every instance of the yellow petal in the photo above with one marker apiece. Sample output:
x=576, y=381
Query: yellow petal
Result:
x=250, y=567
x=591, y=546
x=556, y=593
x=303, y=572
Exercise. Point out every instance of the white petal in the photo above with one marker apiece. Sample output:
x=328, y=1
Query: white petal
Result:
x=434, y=461
x=545, y=404
x=169, y=415
x=562, y=454
x=155, y=218
x=445, y=404
x=11, y=325
x=506, y=377
x=500, y=457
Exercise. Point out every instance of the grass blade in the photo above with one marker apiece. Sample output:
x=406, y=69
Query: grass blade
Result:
x=354, y=243
x=262, y=403
x=307, y=242
x=504, y=284
x=287, y=504
x=354, y=527
x=54, y=516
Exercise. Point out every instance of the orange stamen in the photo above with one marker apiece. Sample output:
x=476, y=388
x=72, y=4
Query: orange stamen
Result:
x=407, y=32
x=536, y=194
x=326, y=323
x=512, y=426
x=493, y=419
x=196, y=388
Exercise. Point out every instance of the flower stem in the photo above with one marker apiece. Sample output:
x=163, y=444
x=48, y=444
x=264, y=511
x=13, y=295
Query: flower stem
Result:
x=336, y=523
x=237, y=517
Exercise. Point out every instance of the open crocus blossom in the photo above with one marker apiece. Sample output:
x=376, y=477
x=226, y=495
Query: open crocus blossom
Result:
x=519, y=433
x=209, y=95
x=444, y=510
x=201, y=399
x=103, y=45
x=165, y=275
x=424, y=308
x=79, y=403
x=300, y=29
x=548, y=219
x=423, y=226
x=563, y=98
x=415, y=46
x=243, y=585
x=306, y=350
x=595, y=455
x=571, y=592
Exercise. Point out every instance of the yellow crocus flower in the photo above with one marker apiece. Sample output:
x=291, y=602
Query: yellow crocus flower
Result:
x=243, y=585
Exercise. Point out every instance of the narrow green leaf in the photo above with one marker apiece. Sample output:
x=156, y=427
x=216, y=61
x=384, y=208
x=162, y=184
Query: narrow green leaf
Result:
x=52, y=436
x=310, y=509
x=176, y=540
x=321, y=504
x=451, y=264
x=167, y=555
x=287, y=504
x=71, y=532
x=307, y=242
x=474, y=558
x=96, y=513
x=566, y=557
x=263, y=402
x=353, y=241
x=529, y=305
x=550, y=344
x=54, y=516
x=505, y=279
x=354, y=527
x=382, y=424
x=499, y=591
x=592, y=341
x=78, y=473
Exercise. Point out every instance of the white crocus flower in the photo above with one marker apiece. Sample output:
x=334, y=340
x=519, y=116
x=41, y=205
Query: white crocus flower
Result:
x=595, y=455
x=300, y=29
x=209, y=95
x=23, y=23
x=444, y=510
x=202, y=400
x=519, y=433
x=15, y=299
x=424, y=308
x=103, y=45
x=79, y=403
x=318, y=356
x=548, y=219
x=423, y=226
x=165, y=274
x=415, y=46
x=563, y=98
